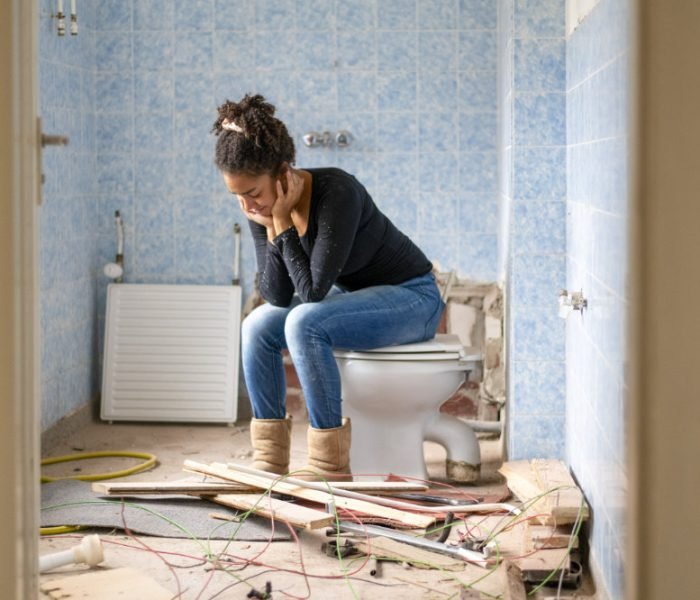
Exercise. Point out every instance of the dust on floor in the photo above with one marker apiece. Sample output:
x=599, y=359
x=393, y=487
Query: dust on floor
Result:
x=296, y=568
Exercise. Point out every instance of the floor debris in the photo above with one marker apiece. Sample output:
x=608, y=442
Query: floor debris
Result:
x=369, y=566
x=107, y=584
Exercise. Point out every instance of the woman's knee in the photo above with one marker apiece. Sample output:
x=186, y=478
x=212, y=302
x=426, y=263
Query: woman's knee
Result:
x=303, y=323
x=264, y=323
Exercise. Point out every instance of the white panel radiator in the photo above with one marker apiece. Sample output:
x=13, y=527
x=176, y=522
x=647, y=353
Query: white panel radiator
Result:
x=171, y=353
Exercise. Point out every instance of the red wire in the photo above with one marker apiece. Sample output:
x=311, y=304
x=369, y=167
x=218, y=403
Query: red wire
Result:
x=147, y=547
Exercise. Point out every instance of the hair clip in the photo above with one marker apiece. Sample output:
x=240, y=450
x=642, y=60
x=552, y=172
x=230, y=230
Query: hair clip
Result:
x=231, y=126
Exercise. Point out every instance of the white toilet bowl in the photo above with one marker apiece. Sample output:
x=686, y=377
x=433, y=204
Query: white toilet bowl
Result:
x=392, y=395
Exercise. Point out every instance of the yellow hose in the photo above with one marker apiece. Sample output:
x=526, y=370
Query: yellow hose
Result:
x=150, y=460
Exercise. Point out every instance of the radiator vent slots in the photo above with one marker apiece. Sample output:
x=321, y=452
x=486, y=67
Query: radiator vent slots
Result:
x=171, y=353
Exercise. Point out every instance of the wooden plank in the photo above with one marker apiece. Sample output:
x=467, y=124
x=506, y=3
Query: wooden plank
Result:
x=545, y=561
x=514, y=586
x=560, y=500
x=368, y=487
x=150, y=488
x=545, y=536
x=263, y=505
x=205, y=488
x=511, y=541
x=388, y=549
x=365, y=507
x=377, y=487
x=110, y=584
x=509, y=534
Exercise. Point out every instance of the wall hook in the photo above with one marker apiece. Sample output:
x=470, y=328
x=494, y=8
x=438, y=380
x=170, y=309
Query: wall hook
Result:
x=571, y=301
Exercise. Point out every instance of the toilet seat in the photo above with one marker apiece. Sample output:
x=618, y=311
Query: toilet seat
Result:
x=444, y=346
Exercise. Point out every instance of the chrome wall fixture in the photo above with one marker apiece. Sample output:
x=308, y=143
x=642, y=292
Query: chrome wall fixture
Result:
x=314, y=139
x=343, y=138
x=73, y=18
x=61, y=18
x=571, y=301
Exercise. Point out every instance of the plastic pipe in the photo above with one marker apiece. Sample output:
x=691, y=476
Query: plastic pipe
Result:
x=120, y=245
x=89, y=551
x=120, y=231
x=236, y=254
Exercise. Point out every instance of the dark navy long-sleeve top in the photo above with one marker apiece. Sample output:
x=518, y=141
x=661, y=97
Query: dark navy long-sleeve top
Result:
x=348, y=242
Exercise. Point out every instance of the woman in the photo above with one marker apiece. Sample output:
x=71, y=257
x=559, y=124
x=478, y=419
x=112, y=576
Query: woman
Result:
x=335, y=273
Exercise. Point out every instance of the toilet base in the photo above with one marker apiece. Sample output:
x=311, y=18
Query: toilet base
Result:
x=395, y=447
x=461, y=443
x=462, y=472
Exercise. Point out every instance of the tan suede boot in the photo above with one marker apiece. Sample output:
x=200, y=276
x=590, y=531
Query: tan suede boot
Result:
x=271, y=439
x=329, y=453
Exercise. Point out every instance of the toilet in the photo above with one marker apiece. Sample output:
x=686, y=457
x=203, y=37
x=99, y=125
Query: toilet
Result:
x=393, y=396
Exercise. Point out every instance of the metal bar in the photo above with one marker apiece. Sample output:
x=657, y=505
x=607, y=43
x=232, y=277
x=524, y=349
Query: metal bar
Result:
x=376, y=531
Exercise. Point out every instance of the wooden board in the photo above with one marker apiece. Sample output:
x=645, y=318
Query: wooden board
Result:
x=514, y=586
x=263, y=505
x=509, y=534
x=206, y=488
x=361, y=506
x=546, y=560
x=560, y=499
x=512, y=541
x=110, y=584
x=546, y=536
x=151, y=488
x=377, y=487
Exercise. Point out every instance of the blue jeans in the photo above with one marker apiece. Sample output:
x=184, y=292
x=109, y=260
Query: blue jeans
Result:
x=368, y=318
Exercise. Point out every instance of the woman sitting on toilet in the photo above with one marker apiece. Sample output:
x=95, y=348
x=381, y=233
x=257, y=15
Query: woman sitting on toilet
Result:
x=335, y=273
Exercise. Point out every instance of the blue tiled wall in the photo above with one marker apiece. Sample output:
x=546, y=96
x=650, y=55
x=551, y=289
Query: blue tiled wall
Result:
x=563, y=218
x=532, y=202
x=69, y=219
x=413, y=80
x=597, y=236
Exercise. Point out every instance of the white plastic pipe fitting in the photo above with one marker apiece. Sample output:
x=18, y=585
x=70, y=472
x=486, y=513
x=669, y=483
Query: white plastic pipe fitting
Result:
x=89, y=551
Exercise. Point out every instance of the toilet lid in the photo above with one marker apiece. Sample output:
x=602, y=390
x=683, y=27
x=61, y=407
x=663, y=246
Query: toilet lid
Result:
x=444, y=346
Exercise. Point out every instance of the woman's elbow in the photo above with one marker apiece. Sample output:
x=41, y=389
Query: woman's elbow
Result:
x=277, y=300
x=312, y=296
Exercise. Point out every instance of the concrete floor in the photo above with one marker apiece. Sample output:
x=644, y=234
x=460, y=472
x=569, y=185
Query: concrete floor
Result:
x=187, y=576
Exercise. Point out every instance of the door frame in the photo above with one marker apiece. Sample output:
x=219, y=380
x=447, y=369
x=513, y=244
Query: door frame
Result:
x=19, y=301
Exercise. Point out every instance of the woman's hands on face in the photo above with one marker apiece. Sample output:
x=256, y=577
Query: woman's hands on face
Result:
x=286, y=201
x=255, y=216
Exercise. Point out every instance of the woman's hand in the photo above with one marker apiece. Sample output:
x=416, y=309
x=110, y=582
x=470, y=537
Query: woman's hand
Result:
x=256, y=217
x=286, y=201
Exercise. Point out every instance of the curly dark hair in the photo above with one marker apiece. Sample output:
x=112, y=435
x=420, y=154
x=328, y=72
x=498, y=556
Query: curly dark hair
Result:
x=258, y=143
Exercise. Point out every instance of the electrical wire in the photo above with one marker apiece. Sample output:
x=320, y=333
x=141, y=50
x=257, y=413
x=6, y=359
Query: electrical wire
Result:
x=226, y=561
